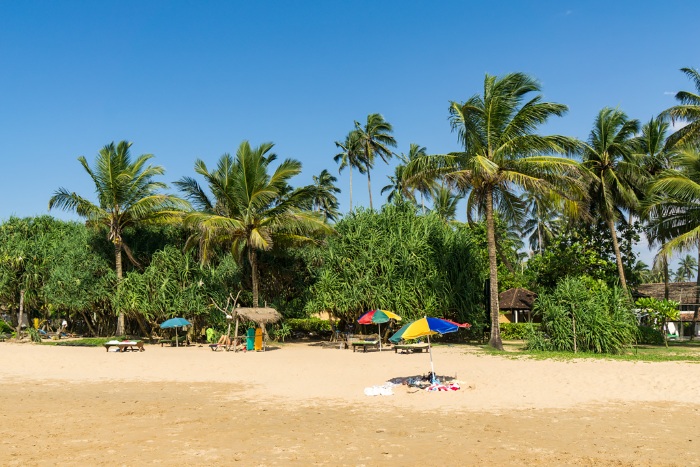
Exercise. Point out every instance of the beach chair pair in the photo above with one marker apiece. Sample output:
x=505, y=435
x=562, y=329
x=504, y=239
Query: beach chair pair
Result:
x=123, y=346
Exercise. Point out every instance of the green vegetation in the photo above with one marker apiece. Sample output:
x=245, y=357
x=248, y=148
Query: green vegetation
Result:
x=582, y=315
x=400, y=261
x=580, y=206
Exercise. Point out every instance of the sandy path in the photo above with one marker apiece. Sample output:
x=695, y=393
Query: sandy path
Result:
x=302, y=405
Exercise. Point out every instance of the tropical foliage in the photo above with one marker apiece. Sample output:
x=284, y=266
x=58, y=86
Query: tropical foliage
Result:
x=252, y=210
x=399, y=261
x=582, y=315
x=503, y=155
x=127, y=195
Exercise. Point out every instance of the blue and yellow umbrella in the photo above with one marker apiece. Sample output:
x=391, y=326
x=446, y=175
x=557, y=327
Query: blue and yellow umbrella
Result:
x=425, y=327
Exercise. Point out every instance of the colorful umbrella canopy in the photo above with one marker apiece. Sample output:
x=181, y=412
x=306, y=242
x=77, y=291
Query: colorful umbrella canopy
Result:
x=425, y=327
x=378, y=317
x=428, y=327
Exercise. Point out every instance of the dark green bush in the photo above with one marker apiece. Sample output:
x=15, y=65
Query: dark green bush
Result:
x=650, y=336
x=517, y=331
x=306, y=325
x=5, y=328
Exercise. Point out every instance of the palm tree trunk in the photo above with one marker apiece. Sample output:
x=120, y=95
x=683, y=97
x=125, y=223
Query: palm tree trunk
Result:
x=253, y=260
x=121, y=328
x=618, y=256
x=20, y=314
x=350, y=189
x=665, y=272
x=697, y=299
x=369, y=188
x=495, y=338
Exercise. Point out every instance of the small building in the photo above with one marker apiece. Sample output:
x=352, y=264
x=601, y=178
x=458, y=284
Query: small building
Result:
x=685, y=293
x=516, y=305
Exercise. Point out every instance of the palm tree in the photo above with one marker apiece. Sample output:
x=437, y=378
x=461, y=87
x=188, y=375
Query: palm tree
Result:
x=543, y=222
x=127, y=195
x=324, y=199
x=350, y=157
x=687, y=268
x=445, y=202
x=375, y=140
x=609, y=158
x=503, y=155
x=687, y=111
x=251, y=210
x=673, y=207
x=423, y=185
x=398, y=187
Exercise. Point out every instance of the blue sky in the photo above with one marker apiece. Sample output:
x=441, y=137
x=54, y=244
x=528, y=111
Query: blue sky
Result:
x=192, y=79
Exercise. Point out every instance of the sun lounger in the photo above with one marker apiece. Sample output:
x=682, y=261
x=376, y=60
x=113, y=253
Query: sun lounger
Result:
x=123, y=346
x=411, y=347
x=364, y=344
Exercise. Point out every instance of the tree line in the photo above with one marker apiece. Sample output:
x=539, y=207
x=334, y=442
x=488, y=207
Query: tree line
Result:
x=240, y=224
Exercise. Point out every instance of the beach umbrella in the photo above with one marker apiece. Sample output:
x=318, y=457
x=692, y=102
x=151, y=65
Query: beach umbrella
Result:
x=175, y=323
x=378, y=317
x=426, y=327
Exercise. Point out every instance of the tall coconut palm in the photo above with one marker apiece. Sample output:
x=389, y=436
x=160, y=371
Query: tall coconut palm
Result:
x=251, y=209
x=398, y=187
x=609, y=158
x=445, y=202
x=673, y=207
x=687, y=111
x=324, y=199
x=423, y=185
x=687, y=268
x=503, y=156
x=127, y=195
x=350, y=157
x=543, y=222
x=375, y=140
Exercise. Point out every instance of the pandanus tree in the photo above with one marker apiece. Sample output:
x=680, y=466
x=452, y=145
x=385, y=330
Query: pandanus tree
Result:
x=127, y=195
x=250, y=209
x=374, y=140
x=609, y=158
x=503, y=156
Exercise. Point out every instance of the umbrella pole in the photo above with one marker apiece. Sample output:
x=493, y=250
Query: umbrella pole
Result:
x=176, y=338
x=379, y=327
x=432, y=368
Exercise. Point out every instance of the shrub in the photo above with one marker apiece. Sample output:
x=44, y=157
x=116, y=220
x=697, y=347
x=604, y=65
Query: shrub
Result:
x=650, y=336
x=584, y=315
x=307, y=325
x=517, y=331
x=5, y=328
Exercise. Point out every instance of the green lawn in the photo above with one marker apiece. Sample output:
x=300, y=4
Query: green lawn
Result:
x=685, y=351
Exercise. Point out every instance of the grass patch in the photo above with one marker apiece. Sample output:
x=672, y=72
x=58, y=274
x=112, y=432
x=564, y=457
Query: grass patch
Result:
x=677, y=351
x=85, y=342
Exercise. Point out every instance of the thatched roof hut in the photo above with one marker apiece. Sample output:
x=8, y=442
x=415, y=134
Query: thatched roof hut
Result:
x=516, y=305
x=683, y=292
x=260, y=315
x=516, y=299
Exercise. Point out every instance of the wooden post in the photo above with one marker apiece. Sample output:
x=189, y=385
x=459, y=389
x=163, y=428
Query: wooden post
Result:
x=235, y=333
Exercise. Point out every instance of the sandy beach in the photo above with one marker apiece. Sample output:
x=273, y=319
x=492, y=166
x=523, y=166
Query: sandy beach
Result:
x=302, y=404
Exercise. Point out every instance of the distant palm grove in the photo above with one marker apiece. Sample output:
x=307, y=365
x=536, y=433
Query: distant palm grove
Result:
x=550, y=213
